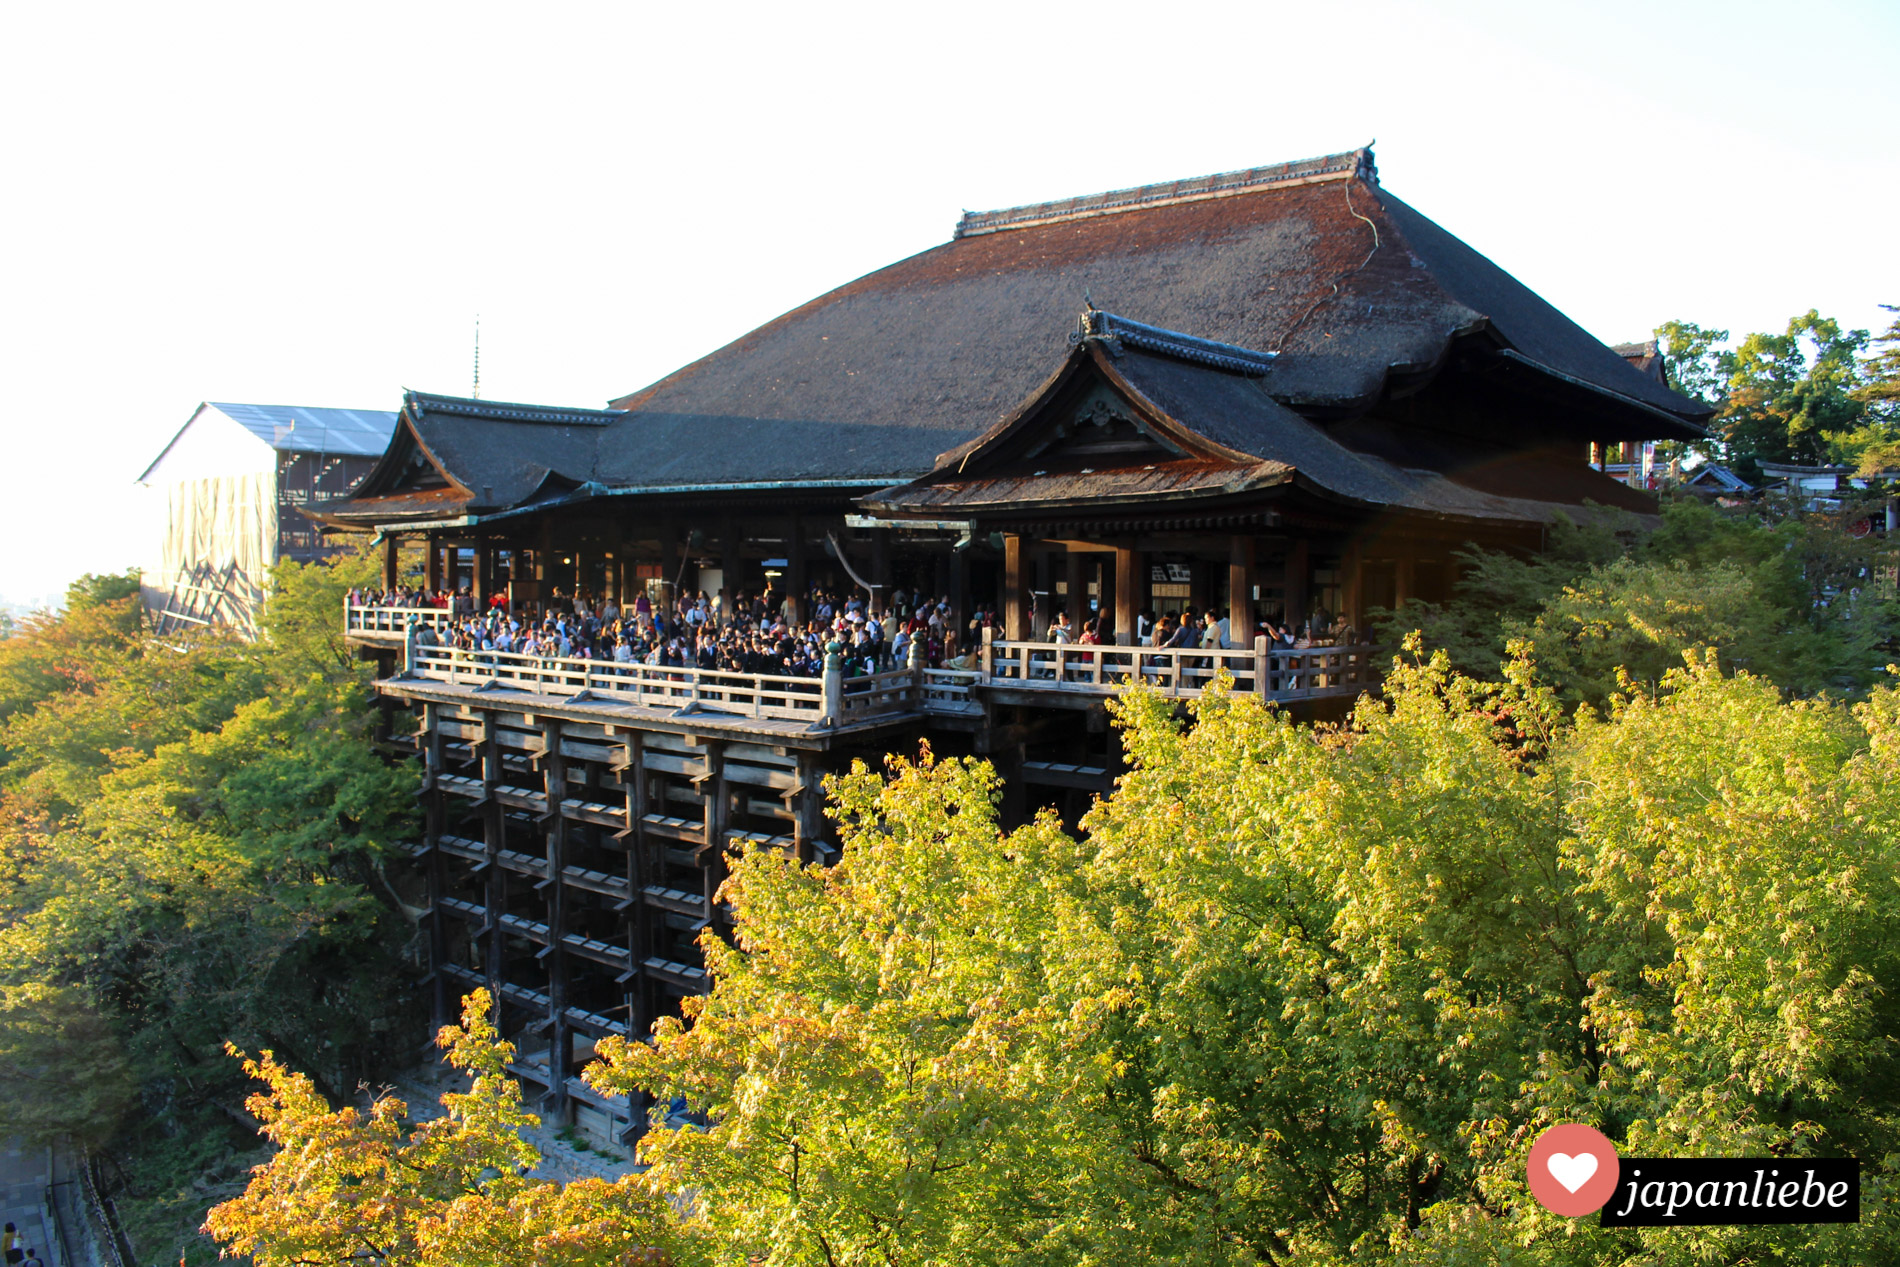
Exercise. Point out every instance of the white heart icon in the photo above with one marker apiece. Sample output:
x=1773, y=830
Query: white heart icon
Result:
x=1571, y=1172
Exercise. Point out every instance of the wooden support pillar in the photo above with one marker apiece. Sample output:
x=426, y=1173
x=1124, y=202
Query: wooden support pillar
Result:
x=435, y=565
x=807, y=808
x=494, y=840
x=881, y=569
x=729, y=563
x=796, y=581
x=713, y=786
x=1406, y=584
x=1352, y=564
x=639, y=925
x=1008, y=760
x=484, y=574
x=433, y=817
x=669, y=568
x=389, y=563
x=544, y=556
x=1075, y=578
x=560, y=1035
x=1240, y=583
x=1299, y=567
x=1127, y=593
x=957, y=586
x=1015, y=585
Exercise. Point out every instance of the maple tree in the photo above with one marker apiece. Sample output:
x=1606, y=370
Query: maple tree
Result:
x=348, y=1184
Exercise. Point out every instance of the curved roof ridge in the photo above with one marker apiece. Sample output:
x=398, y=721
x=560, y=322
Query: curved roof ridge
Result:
x=1303, y=171
x=1113, y=329
x=508, y=411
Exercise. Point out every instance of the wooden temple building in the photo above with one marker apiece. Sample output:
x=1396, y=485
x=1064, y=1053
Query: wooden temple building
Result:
x=1272, y=392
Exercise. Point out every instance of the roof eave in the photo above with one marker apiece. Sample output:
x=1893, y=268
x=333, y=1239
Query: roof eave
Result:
x=1683, y=428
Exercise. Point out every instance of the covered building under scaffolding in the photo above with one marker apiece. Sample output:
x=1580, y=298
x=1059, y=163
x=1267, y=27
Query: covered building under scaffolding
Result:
x=1267, y=394
x=231, y=486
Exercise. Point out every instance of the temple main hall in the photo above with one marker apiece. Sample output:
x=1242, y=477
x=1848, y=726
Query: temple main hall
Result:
x=1280, y=399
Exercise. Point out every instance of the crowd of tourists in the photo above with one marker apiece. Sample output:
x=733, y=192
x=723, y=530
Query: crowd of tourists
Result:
x=758, y=634
x=750, y=634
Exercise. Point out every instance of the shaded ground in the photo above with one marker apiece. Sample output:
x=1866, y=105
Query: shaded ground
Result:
x=23, y=1180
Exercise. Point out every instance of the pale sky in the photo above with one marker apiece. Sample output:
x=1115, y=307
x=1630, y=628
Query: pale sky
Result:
x=310, y=204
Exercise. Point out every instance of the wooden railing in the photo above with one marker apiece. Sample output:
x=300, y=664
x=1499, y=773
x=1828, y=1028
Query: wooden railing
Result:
x=1271, y=672
x=879, y=695
x=393, y=622
x=950, y=691
x=649, y=685
x=1279, y=673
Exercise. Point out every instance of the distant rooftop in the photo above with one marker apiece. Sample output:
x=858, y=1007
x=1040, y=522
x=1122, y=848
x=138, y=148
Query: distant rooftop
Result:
x=1305, y=171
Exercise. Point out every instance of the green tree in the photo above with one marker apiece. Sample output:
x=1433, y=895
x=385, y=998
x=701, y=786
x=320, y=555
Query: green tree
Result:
x=1296, y=995
x=1796, y=599
x=1694, y=361
x=1877, y=442
x=64, y=1075
x=1788, y=397
x=894, y=1071
x=192, y=844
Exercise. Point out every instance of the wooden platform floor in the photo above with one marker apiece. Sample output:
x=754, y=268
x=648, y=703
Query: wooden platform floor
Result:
x=785, y=732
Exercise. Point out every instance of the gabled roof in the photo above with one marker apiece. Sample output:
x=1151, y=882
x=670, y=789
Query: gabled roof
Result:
x=1212, y=430
x=451, y=455
x=1646, y=357
x=1314, y=261
x=299, y=429
x=1720, y=478
x=1306, y=276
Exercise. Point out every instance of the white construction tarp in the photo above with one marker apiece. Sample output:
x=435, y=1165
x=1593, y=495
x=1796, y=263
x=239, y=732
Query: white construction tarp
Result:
x=220, y=540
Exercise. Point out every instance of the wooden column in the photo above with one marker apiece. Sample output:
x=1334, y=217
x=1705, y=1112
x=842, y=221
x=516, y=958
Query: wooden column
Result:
x=881, y=569
x=560, y=1036
x=1352, y=565
x=729, y=563
x=544, y=558
x=669, y=568
x=1008, y=760
x=1406, y=584
x=435, y=565
x=808, y=804
x=389, y=563
x=1039, y=592
x=1127, y=593
x=1240, y=583
x=1298, y=568
x=639, y=916
x=1015, y=582
x=796, y=581
x=494, y=840
x=1076, y=578
x=433, y=817
x=712, y=785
